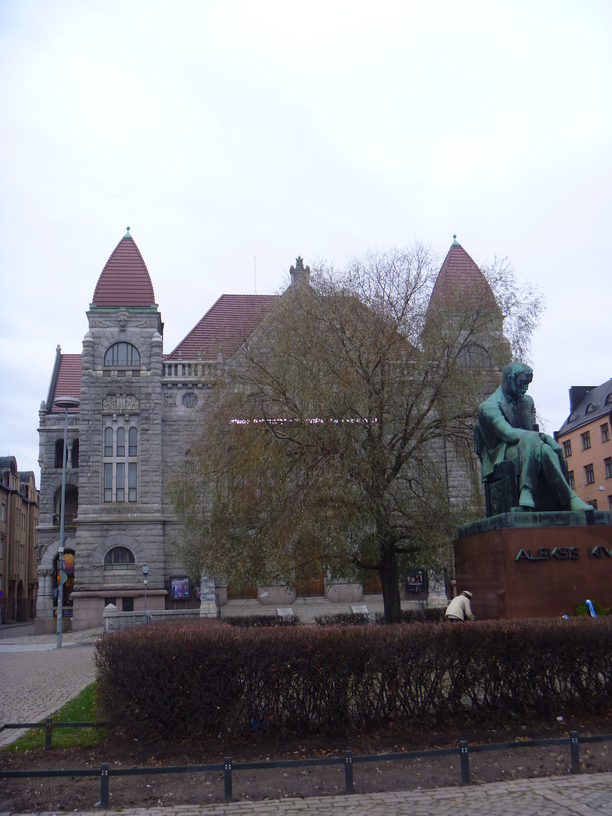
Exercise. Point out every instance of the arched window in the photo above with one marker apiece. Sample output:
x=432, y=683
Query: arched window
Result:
x=74, y=460
x=119, y=558
x=59, y=453
x=474, y=355
x=120, y=441
x=133, y=442
x=108, y=442
x=122, y=354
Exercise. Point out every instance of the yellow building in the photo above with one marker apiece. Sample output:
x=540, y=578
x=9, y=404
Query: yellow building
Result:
x=18, y=522
x=587, y=445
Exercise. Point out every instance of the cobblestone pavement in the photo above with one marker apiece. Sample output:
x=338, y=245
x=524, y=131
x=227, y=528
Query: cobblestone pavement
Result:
x=555, y=796
x=36, y=678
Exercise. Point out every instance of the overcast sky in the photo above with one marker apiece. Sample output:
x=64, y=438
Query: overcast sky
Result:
x=224, y=131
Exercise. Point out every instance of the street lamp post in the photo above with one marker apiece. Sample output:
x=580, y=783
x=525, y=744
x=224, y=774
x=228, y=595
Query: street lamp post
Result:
x=65, y=403
x=145, y=572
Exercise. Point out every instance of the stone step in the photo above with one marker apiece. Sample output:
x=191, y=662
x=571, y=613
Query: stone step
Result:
x=307, y=608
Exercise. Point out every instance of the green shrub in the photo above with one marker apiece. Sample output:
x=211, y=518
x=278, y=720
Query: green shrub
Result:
x=582, y=609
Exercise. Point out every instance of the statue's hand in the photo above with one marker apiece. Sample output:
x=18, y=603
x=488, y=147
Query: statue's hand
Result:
x=551, y=442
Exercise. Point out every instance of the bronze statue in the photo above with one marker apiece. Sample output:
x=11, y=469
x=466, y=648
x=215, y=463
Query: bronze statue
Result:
x=506, y=433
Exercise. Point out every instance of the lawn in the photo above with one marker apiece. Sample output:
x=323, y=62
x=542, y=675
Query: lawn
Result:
x=82, y=709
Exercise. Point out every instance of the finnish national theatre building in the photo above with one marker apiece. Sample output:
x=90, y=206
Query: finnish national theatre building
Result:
x=137, y=407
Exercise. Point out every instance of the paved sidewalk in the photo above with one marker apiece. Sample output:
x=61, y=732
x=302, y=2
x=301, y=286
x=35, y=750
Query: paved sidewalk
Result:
x=584, y=795
x=36, y=678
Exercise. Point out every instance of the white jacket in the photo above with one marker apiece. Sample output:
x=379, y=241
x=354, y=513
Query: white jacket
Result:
x=460, y=608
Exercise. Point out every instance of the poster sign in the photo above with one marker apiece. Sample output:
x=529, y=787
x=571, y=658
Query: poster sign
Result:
x=179, y=588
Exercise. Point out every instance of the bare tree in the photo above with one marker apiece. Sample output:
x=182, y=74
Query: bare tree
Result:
x=326, y=449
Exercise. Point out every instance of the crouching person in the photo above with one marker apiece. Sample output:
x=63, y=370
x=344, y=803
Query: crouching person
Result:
x=459, y=609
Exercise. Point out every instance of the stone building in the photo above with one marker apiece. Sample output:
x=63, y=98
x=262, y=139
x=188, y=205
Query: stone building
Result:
x=18, y=540
x=137, y=406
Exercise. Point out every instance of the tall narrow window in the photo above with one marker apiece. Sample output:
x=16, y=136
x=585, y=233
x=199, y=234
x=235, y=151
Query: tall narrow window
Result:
x=108, y=442
x=120, y=441
x=567, y=448
x=589, y=474
x=570, y=479
x=605, y=433
x=133, y=451
x=108, y=482
x=608, y=467
x=59, y=453
x=132, y=481
x=586, y=440
x=120, y=482
x=75, y=454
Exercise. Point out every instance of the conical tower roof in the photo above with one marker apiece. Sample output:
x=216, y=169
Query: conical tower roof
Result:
x=460, y=278
x=125, y=280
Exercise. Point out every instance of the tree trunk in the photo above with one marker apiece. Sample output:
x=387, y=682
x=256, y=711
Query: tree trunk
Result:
x=389, y=578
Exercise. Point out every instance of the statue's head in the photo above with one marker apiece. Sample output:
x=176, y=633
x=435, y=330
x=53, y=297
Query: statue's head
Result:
x=517, y=378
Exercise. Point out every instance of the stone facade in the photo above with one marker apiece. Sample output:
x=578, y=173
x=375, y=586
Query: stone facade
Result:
x=131, y=431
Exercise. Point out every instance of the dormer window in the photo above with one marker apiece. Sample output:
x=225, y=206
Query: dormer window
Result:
x=122, y=354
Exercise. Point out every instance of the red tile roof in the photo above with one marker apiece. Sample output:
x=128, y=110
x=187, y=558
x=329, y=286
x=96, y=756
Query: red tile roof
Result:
x=125, y=279
x=225, y=326
x=68, y=382
x=460, y=276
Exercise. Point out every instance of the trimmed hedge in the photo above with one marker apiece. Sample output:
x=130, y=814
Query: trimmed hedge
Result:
x=343, y=619
x=207, y=677
x=261, y=621
x=425, y=615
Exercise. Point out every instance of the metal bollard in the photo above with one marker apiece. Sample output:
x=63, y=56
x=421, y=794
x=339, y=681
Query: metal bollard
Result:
x=48, y=734
x=227, y=778
x=104, y=794
x=575, y=752
x=348, y=772
x=465, y=762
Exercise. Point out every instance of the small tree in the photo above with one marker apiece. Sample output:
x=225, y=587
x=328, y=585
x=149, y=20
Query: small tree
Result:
x=330, y=438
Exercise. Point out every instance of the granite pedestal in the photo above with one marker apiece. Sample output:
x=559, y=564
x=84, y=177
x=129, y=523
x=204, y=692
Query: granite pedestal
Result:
x=535, y=565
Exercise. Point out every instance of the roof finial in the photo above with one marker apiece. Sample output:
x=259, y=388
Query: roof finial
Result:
x=455, y=241
x=127, y=234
